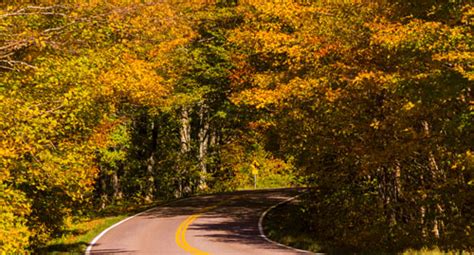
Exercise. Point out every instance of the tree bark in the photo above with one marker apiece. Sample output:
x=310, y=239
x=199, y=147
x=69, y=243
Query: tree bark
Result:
x=436, y=176
x=150, y=163
x=103, y=188
x=116, y=186
x=203, y=137
x=185, y=131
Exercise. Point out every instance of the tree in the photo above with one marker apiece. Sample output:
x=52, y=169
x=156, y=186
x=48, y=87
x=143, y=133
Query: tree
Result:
x=67, y=70
x=359, y=95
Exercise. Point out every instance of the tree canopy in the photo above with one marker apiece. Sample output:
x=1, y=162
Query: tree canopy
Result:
x=368, y=102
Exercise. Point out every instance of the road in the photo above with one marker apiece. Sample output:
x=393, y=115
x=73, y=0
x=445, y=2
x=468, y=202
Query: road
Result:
x=214, y=224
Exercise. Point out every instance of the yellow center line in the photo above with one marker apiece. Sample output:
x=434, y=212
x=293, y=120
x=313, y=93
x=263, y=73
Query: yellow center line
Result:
x=180, y=236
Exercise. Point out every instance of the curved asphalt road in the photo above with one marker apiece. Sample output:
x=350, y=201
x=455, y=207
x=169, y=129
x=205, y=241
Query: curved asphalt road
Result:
x=215, y=224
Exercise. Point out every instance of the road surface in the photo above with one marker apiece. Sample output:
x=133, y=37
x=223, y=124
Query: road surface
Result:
x=214, y=224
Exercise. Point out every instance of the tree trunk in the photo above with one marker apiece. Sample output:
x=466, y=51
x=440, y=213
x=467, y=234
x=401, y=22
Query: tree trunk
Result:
x=436, y=176
x=436, y=172
x=103, y=188
x=116, y=186
x=185, y=131
x=203, y=137
x=150, y=164
x=150, y=178
x=396, y=191
x=397, y=182
x=183, y=185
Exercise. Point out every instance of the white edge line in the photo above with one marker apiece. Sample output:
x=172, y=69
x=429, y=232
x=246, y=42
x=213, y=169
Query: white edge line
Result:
x=262, y=233
x=260, y=225
x=94, y=241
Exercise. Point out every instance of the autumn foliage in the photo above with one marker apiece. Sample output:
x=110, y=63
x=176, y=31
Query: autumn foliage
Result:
x=368, y=102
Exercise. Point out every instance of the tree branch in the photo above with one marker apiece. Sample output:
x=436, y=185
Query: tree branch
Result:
x=16, y=62
x=37, y=10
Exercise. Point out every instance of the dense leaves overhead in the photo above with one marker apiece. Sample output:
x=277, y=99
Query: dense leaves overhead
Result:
x=66, y=70
x=374, y=101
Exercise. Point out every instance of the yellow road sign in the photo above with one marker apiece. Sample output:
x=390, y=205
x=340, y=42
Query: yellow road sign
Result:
x=254, y=169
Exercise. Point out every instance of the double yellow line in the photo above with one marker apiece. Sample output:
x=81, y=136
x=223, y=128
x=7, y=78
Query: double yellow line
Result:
x=180, y=236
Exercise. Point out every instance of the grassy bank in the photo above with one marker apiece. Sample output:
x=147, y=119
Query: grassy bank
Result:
x=81, y=230
x=287, y=224
x=77, y=237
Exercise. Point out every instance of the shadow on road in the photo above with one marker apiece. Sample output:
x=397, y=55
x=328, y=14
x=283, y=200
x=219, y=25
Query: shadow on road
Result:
x=235, y=220
x=226, y=221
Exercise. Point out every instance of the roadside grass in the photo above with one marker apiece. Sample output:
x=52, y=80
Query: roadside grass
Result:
x=429, y=252
x=76, y=239
x=81, y=230
x=286, y=224
x=269, y=181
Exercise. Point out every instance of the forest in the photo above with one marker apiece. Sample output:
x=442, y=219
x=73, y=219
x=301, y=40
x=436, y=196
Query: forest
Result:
x=369, y=103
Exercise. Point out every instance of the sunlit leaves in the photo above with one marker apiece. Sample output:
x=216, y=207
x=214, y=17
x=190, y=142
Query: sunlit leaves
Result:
x=66, y=70
x=363, y=93
x=135, y=80
x=371, y=100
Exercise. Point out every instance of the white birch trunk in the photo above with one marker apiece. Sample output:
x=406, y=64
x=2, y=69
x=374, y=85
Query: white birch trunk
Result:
x=185, y=131
x=203, y=137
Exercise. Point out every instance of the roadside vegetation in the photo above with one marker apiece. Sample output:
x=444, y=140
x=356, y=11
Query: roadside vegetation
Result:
x=78, y=234
x=288, y=224
x=80, y=230
x=110, y=103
